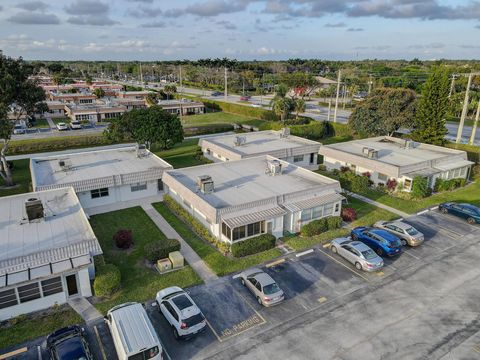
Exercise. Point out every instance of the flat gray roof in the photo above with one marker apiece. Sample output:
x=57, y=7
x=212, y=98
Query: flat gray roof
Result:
x=64, y=226
x=92, y=165
x=246, y=180
x=392, y=150
x=260, y=142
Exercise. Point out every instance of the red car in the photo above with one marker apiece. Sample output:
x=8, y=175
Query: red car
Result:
x=245, y=98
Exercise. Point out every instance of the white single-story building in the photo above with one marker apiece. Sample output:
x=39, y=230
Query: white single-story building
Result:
x=102, y=177
x=183, y=107
x=279, y=144
x=385, y=158
x=237, y=200
x=46, y=251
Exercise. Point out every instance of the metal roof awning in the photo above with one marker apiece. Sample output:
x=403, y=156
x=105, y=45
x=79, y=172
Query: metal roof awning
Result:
x=453, y=165
x=234, y=221
x=313, y=202
x=422, y=172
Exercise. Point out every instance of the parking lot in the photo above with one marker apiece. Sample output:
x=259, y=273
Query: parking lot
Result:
x=322, y=292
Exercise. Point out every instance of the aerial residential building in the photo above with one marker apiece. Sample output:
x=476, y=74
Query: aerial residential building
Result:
x=237, y=200
x=56, y=109
x=184, y=107
x=76, y=98
x=385, y=158
x=279, y=144
x=102, y=177
x=130, y=104
x=139, y=95
x=46, y=251
x=94, y=112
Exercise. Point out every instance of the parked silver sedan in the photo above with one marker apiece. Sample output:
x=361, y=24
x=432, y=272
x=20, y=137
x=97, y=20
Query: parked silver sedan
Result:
x=406, y=232
x=262, y=286
x=357, y=253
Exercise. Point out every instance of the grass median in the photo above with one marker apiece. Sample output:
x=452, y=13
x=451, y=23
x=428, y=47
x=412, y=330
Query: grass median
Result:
x=21, y=177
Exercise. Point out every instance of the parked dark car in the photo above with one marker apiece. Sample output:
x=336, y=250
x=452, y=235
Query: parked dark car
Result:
x=69, y=343
x=217, y=93
x=465, y=211
x=381, y=241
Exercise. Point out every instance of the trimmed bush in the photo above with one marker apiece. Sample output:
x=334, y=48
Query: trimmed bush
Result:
x=447, y=185
x=420, y=187
x=349, y=214
x=157, y=250
x=334, y=222
x=319, y=226
x=107, y=280
x=353, y=182
x=253, y=245
x=123, y=239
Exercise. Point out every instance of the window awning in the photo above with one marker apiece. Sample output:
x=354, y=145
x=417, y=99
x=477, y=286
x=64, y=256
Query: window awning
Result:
x=313, y=202
x=234, y=221
x=453, y=165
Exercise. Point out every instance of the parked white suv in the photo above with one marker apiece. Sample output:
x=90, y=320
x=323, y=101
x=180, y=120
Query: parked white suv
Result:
x=181, y=312
x=75, y=125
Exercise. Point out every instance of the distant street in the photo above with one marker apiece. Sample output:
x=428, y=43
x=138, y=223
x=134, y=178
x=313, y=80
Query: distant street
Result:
x=39, y=133
x=467, y=130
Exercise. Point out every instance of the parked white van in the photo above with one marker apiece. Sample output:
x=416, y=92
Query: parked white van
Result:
x=133, y=333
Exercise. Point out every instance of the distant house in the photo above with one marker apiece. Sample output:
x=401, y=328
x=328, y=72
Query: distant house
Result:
x=279, y=144
x=102, y=177
x=46, y=251
x=76, y=98
x=56, y=109
x=131, y=104
x=237, y=200
x=94, y=112
x=184, y=107
x=385, y=158
x=138, y=95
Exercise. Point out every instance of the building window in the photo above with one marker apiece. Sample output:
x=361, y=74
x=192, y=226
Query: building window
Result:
x=408, y=184
x=298, y=158
x=138, y=187
x=337, y=207
x=463, y=172
x=306, y=215
x=8, y=298
x=226, y=231
x=317, y=212
x=98, y=193
x=456, y=174
x=52, y=286
x=312, y=158
x=160, y=185
x=111, y=115
x=382, y=177
x=247, y=230
x=28, y=292
x=328, y=210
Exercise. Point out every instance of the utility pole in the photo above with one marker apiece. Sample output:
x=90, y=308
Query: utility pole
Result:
x=338, y=94
x=464, y=110
x=370, y=82
x=141, y=74
x=226, y=85
x=452, y=86
x=181, y=80
x=329, y=109
x=474, y=128
x=344, y=96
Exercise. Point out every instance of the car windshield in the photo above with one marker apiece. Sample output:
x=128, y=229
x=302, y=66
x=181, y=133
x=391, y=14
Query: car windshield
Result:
x=369, y=254
x=271, y=289
x=194, y=320
x=18, y=126
x=411, y=231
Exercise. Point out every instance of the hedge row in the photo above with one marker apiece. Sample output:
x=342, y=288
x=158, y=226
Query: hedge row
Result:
x=313, y=131
x=107, y=280
x=253, y=245
x=351, y=181
x=446, y=185
x=195, y=225
x=319, y=226
x=160, y=249
x=207, y=129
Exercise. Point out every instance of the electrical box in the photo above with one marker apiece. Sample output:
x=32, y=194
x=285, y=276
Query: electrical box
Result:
x=164, y=265
x=176, y=258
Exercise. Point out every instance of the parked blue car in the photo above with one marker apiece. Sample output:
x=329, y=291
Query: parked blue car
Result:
x=381, y=241
x=466, y=211
x=69, y=343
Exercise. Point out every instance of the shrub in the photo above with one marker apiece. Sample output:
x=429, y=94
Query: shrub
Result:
x=476, y=172
x=107, y=280
x=123, y=239
x=300, y=121
x=321, y=225
x=367, y=174
x=447, y=185
x=420, y=187
x=156, y=250
x=353, y=182
x=334, y=222
x=322, y=167
x=391, y=184
x=253, y=245
x=349, y=214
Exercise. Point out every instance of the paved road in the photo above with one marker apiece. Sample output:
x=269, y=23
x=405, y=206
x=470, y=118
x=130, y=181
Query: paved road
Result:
x=467, y=131
x=37, y=133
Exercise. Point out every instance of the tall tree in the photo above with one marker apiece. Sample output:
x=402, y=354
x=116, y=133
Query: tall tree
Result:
x=99, y=93
x=384, y=112
x=432, y=109
x=169, y=90
x=19, y=96
x=299, y=105
x=150, y=126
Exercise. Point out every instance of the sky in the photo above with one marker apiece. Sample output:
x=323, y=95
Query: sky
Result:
x=241, y=29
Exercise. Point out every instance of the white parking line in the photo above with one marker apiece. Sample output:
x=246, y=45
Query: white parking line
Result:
x=345, y=266
x=306, y=252
x=390, y=265
x=408, y=253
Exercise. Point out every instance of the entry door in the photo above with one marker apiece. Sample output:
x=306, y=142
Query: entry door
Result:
x=269, y=227
x=72, y=284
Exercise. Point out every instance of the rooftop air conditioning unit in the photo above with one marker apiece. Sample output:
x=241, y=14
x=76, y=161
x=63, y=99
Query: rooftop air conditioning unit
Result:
x=409, y=144
x=141, y=150
x=285, y=132
x=274, y=167
x=240, y=140
x=34, y=209
x=366, y=151
x=64, y=164
x=205, y=184
x=373, y=154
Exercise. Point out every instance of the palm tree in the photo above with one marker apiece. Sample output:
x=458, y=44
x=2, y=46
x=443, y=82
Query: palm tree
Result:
x=281, y=106
x=169, y=90
x=299, y=106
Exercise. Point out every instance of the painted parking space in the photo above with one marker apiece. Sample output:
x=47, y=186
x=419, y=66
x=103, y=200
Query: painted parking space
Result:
x=447, y=222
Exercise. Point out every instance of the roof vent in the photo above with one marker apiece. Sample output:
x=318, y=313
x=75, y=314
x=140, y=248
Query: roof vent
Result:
x=205, y=184
x=65, y=164
x=34, y=209
x=240, y=140
x=409, y=144
x=370, y=153
x=141, y=150
x=274, y=167
x=285, y=132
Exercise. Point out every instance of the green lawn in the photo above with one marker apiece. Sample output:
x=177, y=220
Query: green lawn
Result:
x=366, y=215
x=219, y=118
x=139, y=283
x=220, y=264
x=26, y=329
x=21, y=177
x=182, y=154
x=42, y=123
x=65, y=120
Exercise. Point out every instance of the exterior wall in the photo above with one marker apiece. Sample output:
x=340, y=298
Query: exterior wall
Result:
x=305, y=163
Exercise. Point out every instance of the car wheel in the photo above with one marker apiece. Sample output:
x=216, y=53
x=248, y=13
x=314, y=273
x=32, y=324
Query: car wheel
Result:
x=404, y=242
x=444, y=210
x=243, y=282
x=334, y=250
x=175, y=334
x=471, y=221
x=358, y=266
x=259, y=300
x=379, y=252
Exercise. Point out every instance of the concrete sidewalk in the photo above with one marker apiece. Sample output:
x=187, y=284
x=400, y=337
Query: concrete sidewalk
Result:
x=197, y=264
x=86, y=310
x=380, y=205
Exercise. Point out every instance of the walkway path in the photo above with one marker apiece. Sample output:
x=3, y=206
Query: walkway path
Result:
x=380, y=205
x=85, y=309
x=51, y=123
x=188, y=253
